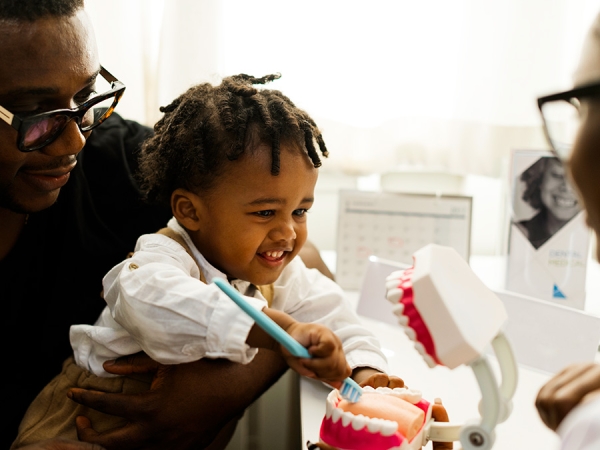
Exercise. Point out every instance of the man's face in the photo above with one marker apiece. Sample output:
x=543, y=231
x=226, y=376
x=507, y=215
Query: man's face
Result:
x=584, y=162
x=252, y=223
x=44, y=65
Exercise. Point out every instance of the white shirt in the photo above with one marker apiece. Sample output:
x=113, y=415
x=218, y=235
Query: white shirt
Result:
x=156, y=303
x=580, y=430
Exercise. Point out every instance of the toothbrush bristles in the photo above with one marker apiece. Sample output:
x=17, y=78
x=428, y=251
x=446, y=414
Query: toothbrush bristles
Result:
x=350, y=391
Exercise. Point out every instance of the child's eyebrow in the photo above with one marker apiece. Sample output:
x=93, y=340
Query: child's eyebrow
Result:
x=276, y=201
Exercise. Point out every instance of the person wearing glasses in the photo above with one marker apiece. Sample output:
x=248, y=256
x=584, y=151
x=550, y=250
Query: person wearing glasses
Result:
x=569, y=402
x=69, y=211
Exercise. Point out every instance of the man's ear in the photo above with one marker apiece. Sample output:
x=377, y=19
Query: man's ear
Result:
x=186, y=207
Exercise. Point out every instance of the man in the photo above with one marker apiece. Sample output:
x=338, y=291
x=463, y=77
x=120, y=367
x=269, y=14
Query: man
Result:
x=569, y=403
x=69, y=211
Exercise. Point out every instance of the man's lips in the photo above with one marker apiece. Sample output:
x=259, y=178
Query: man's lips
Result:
x=48, y=179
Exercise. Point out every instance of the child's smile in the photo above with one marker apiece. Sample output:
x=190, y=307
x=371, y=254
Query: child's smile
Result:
x=251, y=224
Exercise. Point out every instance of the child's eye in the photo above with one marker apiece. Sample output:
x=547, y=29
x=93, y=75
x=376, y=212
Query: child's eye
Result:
x=265, y=213
x=300, y=212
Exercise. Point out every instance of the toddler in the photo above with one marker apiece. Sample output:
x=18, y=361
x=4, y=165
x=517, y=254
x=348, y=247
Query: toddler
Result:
x=238, y=166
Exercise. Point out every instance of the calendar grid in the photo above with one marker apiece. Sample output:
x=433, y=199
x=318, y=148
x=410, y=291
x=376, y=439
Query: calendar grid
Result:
x=393, y=226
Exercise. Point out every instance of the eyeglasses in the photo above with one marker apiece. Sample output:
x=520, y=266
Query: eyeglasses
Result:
x=560, y=113
x=39, y=130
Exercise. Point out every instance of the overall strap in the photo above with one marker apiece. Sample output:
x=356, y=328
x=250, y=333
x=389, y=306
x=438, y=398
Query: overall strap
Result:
x=177, y=238
x=268, y=292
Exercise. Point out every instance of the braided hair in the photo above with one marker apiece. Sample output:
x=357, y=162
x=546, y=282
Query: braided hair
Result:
x=32, y=10
x=209, y=125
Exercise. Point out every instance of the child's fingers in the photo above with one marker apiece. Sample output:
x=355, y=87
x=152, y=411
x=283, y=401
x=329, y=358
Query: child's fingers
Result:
x=329, y=368
x=323, y=346
x=383, y=380
x=298, y=366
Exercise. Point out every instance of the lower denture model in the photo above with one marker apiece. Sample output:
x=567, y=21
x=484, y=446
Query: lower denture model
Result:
x=452, y=317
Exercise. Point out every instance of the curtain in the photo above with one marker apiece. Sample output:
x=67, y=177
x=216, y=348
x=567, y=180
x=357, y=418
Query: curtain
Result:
x=434, y=84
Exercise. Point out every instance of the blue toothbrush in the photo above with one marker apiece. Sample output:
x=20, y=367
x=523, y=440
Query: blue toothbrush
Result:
x=350, y=390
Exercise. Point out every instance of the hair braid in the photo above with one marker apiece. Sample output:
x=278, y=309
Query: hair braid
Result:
x=209, y=125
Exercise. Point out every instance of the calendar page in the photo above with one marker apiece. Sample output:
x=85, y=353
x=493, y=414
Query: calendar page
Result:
x=393, y=226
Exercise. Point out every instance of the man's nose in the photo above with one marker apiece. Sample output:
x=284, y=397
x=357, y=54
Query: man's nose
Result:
x=70, y=141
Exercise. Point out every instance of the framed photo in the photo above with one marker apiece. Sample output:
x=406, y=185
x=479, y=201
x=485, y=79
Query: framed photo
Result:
x=549, y=241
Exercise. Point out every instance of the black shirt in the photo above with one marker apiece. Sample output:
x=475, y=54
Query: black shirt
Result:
x=52, y=278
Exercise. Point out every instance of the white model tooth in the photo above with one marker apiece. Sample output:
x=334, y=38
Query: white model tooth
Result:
x=410, y=395
x=394, y=275
x=333, y=398
x=391, y=283
x=398, y=309
x=420, y=348
x=359, y=422
x=429, y=361
x=410, y=332
x=394, y=294
x=336, y=414
x=328, y=408
x=374, y=425
x=403, y=320
x=347, y=418
x=388, y=427
x=385, y=390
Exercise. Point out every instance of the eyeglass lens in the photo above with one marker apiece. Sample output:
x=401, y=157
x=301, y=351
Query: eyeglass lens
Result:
x=47, y=127
x=561, y=118
x=42, y=130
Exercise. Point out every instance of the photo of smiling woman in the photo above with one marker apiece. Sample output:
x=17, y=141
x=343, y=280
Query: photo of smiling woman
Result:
x=548, y=192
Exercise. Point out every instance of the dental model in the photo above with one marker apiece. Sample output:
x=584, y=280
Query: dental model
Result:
x=383, y=419
x=453, y=318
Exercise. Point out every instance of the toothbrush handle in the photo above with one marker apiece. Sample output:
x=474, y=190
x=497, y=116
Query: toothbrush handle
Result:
x=264, y=321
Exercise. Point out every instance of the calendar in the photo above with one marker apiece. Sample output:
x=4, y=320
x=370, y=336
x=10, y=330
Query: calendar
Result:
x=395, y=225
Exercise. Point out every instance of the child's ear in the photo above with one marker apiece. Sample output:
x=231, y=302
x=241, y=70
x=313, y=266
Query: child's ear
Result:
x=186, y=208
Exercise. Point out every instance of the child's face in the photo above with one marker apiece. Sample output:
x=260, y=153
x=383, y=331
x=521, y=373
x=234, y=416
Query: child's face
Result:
x=251, y=223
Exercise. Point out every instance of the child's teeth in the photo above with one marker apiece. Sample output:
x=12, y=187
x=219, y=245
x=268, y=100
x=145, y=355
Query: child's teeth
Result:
x=274, y=254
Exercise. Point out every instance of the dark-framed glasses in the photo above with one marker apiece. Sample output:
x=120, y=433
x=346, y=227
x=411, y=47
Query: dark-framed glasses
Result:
x=561, y=117
x=39, y=130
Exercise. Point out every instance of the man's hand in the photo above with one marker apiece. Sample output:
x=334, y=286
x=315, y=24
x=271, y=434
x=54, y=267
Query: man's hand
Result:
x=566, y=390
x=62, y=444
x=187, y=404
x=328, y=362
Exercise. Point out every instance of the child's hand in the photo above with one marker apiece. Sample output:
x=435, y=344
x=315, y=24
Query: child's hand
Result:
x=366, y=376
x=328, y=362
